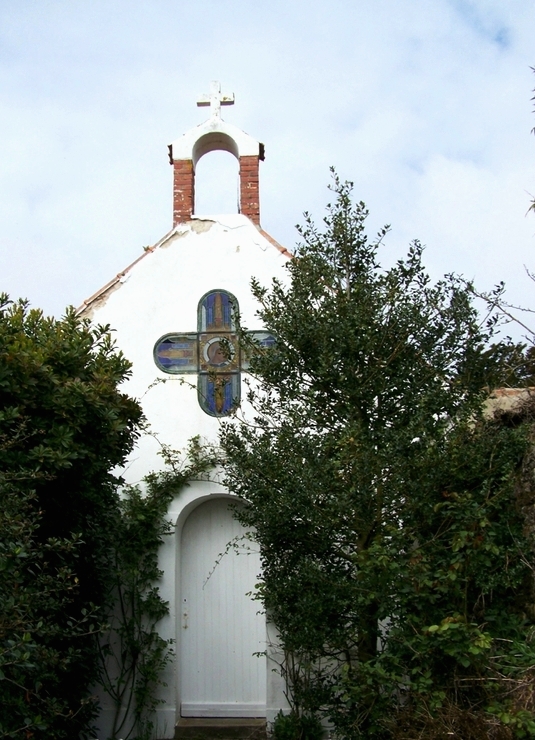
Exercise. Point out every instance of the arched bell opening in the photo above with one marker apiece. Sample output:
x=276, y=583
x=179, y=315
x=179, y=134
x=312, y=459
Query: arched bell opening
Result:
x=217, y=176
x=189, y=192
x=214, y=141
x=217, y=184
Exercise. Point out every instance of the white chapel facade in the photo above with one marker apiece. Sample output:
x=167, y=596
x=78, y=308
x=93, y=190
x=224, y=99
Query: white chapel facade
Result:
x=169, y=311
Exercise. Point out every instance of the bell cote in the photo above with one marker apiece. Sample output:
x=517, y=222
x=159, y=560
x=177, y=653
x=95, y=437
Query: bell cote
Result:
x=215, y=134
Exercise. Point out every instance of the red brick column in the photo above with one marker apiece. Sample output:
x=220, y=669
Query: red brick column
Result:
x=183, y=190
x=249, y=188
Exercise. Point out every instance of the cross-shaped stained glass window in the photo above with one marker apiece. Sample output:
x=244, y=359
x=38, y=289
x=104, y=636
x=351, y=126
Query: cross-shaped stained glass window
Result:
x=212, y=352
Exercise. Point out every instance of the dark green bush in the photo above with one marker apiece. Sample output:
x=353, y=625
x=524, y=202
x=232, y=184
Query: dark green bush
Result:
x=64, y=426
x=293, y=726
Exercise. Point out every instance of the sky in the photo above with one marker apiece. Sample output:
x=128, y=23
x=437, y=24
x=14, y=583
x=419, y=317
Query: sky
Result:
x=425, y=105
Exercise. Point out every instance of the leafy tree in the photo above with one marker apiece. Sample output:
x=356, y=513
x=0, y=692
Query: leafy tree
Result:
x=385, y=501
x=64, y=426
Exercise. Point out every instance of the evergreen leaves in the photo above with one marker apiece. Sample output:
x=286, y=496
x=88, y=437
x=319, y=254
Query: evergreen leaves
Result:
x=64, y=425
x=395, y=550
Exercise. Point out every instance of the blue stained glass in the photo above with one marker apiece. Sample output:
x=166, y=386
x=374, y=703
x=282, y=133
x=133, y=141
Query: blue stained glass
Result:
x=262, y=339
x=210, y=310
x=219, y=395
x=177, y=353
x=216, y=311
x=227, y=309
x=268, y=341
x=213, y=352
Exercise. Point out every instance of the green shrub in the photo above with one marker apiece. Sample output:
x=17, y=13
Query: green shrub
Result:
x=64, y=426
x=293, y=726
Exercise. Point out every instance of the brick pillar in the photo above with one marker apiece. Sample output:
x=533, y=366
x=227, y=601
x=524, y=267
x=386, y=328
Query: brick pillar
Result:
x=183, y=190
x=249, y=188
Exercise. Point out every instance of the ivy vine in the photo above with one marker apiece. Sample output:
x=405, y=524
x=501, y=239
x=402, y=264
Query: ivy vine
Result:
x=133, y=654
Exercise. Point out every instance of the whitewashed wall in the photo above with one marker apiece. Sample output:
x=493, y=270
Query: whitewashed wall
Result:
x=159, y=294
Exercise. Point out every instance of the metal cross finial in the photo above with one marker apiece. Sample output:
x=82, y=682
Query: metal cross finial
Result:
x=215, y=99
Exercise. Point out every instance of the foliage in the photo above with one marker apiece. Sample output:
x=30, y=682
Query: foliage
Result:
x=37, y=584
x=63, y=427
x=385, y=502
x=295, y=726
x=134, y=655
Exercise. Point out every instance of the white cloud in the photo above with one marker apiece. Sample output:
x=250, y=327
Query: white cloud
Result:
x=425, y=105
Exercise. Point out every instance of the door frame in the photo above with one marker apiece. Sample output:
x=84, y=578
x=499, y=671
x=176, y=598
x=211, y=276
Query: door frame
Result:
x=184, y=513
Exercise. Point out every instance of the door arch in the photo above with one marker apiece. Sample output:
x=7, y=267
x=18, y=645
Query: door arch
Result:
x=221, y=628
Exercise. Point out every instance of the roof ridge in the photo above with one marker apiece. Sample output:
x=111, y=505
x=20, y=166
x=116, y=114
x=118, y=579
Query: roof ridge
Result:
x=147, y=250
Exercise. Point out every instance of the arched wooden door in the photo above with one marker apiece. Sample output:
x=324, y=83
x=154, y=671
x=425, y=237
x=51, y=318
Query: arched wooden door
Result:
x=220, y=625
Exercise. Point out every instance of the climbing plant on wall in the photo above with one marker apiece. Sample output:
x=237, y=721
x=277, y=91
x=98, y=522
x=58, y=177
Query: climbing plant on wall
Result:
x=133, y=653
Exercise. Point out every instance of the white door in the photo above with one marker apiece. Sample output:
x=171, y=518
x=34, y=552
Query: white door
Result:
x=221, y=627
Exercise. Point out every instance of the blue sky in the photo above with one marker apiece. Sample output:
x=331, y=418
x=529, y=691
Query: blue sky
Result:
x=424, y=104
